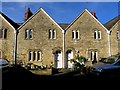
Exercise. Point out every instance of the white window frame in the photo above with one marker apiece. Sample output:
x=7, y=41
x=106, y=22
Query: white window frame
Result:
x=118, y=35
x=30, y=53
x=99, y=32
x=78, y=34
x=30, y=34
x=39, y=55
x=95, y=35
x=73, y=34
x=26, y=34
x=54, y=34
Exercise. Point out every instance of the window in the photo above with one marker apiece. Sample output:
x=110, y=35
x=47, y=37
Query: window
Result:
x=97, y=34
x=3, y=33
x=52, y=34
x=75, y=34
x=118, y=34
x=39, y=55
x=28, y=34
x=30, y=56
x=93, y=55
x=34, y=56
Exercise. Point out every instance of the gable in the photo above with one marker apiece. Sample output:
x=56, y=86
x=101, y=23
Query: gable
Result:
x=43, y=15
x=87, y=18
x=11, y=23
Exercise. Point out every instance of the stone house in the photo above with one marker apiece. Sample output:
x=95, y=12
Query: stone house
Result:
x=86, y=36
x=42, y=41
x=114, y=30
x=7, y=30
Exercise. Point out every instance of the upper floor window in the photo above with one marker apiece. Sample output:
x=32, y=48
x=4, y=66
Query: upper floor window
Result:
x=28, y=34
x=118, y=34
x=97, y=34
x=3, y=33
x=52, y=34
x=75, y=34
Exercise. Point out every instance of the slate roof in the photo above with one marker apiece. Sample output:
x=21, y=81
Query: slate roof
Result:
x=112, y=22
x=63, y=26
x=15, y=25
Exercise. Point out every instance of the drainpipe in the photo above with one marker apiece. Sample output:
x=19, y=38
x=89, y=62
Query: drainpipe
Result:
x=15, y=47
x=109, y=46
x=63, y=32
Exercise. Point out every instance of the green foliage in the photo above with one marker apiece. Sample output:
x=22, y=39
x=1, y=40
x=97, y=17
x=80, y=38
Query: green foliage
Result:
x=81, y=58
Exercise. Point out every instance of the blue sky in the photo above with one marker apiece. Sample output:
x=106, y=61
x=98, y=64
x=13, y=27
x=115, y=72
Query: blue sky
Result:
x=61, y=12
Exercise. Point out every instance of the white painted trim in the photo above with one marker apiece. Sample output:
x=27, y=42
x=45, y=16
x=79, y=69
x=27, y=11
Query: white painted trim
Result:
x=7, y=22
x=37, y=13
x=109, y=44
x=91, y=16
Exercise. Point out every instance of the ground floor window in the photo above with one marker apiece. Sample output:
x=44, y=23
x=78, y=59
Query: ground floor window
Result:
x=94, y=55
x=34, y=55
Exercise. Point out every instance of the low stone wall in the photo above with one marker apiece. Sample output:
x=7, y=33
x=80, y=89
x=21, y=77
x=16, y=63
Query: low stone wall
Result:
x=42, y=72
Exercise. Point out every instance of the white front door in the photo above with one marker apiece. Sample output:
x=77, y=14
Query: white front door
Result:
x=58, y=59
x=69, y=57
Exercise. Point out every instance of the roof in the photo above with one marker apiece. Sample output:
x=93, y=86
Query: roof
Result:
x=112, y=22
x=15, y=25
x=63, y=26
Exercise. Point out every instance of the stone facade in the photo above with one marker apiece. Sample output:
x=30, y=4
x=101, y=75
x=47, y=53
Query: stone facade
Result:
x=115, y=39
x=86, y=25
x=43, y=42
x=41, y=24
x=6, y=40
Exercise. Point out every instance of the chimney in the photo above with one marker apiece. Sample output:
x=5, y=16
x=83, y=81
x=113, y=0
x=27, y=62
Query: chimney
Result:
x=94, y=14
x=28, y=14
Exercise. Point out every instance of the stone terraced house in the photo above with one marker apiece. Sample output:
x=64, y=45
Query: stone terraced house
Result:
x=42, y=41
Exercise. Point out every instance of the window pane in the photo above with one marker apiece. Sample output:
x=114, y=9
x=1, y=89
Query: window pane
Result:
x=30, y=56
x=26, y=33
x=118, y=35
x=50, y=34
x=5, y=33
x=1, y=32
x=95, y=34
x=77, y=35
x=99, y=34
x=34, y=55
x=39, y=55
x=91, y=56
x=30, y=34
x=54, y=34
x=73, y=36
